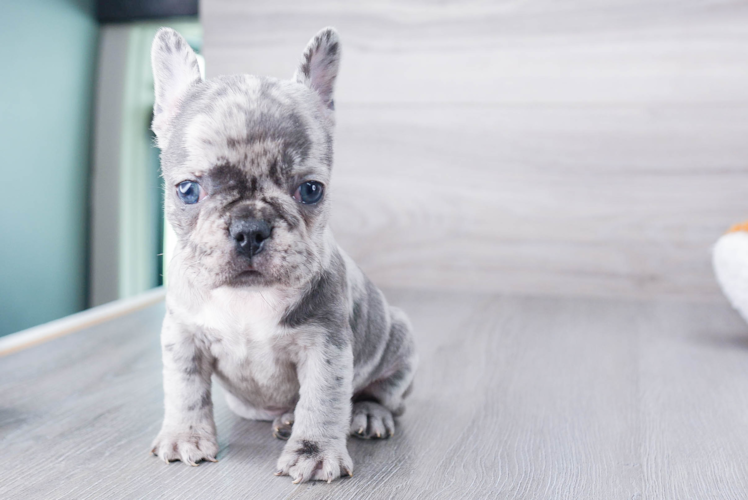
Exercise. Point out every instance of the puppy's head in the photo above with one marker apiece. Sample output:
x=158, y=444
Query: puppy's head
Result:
x=246, y=162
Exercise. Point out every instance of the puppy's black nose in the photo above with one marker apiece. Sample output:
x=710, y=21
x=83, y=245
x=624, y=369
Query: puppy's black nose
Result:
x=249, y=235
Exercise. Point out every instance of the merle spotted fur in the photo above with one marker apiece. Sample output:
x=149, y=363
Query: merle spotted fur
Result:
x=293, y=331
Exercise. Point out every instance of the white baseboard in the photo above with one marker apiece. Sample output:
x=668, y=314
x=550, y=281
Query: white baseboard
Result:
x=69, y=324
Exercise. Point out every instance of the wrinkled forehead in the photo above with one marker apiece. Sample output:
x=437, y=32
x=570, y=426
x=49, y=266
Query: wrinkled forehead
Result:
x=260, y=125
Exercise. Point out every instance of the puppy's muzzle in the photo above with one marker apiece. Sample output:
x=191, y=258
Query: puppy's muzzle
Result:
x=249, y=235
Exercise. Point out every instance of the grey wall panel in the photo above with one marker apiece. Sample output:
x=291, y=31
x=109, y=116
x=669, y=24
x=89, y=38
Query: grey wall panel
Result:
x=572, y=147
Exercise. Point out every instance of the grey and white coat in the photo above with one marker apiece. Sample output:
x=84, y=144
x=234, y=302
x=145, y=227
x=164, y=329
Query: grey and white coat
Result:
x=259, y=294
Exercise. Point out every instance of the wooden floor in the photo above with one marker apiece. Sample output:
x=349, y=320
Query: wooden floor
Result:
x=516, y=397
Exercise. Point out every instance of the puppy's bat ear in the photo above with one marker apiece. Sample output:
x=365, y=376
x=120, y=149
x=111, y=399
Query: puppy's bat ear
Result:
x=319, y=65
x=175, y=70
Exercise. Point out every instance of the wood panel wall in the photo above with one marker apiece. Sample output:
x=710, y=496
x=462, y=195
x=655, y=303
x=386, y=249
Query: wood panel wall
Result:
x=584, y=147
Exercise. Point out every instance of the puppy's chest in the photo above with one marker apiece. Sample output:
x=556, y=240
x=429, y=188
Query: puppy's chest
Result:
x=239, y=315
x=244, y=333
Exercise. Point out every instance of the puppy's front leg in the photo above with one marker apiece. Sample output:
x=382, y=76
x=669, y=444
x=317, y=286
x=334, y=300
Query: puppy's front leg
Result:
x=317, y=447
x=188, y=432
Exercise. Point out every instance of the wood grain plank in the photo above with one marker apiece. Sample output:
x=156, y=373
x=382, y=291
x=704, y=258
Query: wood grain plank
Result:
x=516, y=397
x=603, y=201
x=538, y=147
x=488, y=52
x=693, y=403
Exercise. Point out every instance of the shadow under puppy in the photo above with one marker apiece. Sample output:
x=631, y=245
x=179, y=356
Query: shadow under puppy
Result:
x=259, y=293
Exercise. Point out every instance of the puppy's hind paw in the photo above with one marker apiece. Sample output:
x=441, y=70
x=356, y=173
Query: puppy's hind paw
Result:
x=188, y=447
x=282, y=426
x=370, y=420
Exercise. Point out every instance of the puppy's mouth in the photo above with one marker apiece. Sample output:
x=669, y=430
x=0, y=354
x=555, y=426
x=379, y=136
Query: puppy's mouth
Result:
x=247, y=275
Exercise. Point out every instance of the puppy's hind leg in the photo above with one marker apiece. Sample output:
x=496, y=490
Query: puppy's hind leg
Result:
x=375, y=405
x=283, y=426
x=370, y=420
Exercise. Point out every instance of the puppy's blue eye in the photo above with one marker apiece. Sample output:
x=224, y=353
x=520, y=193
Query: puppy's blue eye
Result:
x=308, y=193
x=189, y=192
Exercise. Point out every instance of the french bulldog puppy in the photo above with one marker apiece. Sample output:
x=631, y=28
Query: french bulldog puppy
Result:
x=259, y=293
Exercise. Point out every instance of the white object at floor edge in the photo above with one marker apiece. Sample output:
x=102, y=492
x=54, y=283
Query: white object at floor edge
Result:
x=730, y=261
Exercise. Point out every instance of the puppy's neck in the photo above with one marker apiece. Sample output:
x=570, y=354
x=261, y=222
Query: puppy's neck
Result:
x=241, y=314
x=260, y=300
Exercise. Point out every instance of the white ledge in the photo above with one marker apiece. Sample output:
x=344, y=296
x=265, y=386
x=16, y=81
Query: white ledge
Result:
x=78, y=321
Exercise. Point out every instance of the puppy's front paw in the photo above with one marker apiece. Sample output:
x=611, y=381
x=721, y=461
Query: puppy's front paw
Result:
x=189, y=447
x=307, y=460
x=370, y=420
